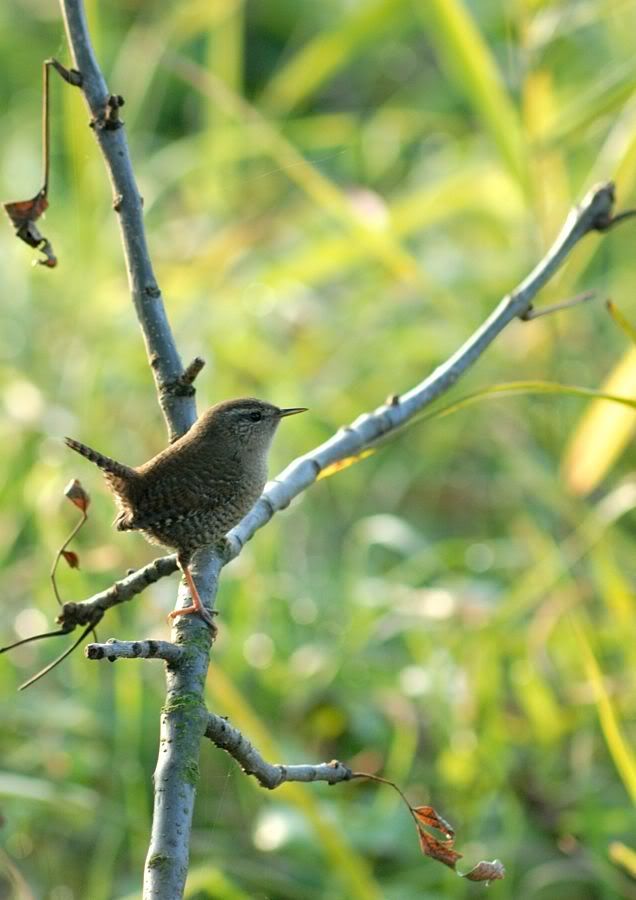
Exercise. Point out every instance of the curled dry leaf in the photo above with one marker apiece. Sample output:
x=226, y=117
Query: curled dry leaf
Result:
x=426, y=815
x=23, y=214
x=77, y=495
x=442, y=851
x=71, y=558
x=486, y=871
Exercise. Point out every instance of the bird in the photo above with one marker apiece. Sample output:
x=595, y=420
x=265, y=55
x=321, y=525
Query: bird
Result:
x=192, y=493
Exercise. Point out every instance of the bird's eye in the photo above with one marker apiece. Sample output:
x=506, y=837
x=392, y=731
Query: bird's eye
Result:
x=255, y=416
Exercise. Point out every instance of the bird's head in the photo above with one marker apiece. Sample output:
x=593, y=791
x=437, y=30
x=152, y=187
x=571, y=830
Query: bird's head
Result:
x=246, y=425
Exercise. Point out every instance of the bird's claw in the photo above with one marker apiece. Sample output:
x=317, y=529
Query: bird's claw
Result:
x=205, y=614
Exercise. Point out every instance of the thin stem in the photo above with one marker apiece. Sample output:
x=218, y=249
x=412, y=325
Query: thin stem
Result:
x=56, y=661
x=59, y=553
x=46, y=128
x=557, y=307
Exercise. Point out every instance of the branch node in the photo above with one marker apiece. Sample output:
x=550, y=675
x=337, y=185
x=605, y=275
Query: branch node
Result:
x=117, y=202
x=183, y=385
x=70, y=76
x=108, y=119
x=605, y=223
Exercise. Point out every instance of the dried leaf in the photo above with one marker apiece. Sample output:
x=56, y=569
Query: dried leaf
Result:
x=77, y=495
x=486, y=871
x=341, y=464
x=23, y=214
x=71, y=558
x=442, y=851
x=426, y=815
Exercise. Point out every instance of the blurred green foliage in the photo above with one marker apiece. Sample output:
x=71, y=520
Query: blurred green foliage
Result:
x=333, y=205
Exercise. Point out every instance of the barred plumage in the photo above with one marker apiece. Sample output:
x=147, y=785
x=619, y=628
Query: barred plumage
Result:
x=193, y=492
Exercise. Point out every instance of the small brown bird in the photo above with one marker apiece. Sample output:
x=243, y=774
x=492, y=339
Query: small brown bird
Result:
x=193, y=492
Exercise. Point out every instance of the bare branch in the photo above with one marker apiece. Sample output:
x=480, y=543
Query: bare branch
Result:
x=593, y=214
x=90, y=611
x=178, y=409
x=269, y=775
x=148, y=649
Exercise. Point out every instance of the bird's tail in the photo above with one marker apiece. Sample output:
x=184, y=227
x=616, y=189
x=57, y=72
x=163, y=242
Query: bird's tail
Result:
x=105, y=463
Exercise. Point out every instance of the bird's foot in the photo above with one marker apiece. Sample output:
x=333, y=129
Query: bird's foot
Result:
x=197, y=605
x=205, y=614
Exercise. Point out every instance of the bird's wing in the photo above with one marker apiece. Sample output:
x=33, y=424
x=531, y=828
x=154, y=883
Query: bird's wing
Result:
x=175, y=495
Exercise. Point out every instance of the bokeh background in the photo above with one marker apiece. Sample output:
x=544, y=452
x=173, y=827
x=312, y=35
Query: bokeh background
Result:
x=335, y=198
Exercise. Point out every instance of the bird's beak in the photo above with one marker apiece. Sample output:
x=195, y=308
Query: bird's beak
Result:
x=292, y=411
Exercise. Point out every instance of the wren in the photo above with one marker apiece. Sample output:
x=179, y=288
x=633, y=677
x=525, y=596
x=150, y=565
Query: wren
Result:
x=193, y=492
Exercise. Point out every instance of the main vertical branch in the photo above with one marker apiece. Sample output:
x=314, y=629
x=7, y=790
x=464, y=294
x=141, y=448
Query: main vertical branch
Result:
x=183, y=716
x=179, y=410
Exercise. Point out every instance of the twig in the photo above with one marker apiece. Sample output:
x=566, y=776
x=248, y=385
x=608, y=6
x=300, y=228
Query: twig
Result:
x=269, y=775
x=90, y=611
x=557, y=307
x=148, y=649
x=58, y=555
x=58, y=659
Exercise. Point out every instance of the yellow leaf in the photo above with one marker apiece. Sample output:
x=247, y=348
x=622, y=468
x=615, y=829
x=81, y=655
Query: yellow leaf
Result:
x=603, y=431
x=344, y=464
x=624, y=856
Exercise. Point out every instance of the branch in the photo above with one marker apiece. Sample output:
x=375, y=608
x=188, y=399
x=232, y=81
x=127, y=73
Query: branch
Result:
x=90, y=611
x=183, y=717
x=593, y=214
x=178, y=408
x=269, y=775
x=148, y=649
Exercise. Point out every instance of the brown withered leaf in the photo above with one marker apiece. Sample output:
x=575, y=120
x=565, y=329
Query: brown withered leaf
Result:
x=442, y=851
x=71, y=558
x=344, y=464
x=428, y=816
x=487, y=871
x=77, y=495
x=23, y=215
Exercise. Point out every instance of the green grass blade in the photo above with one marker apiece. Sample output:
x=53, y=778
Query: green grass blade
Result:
x=329, y=51
x=513, y=388
x=620, y=751
x=469, y=61
x=379, y=243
